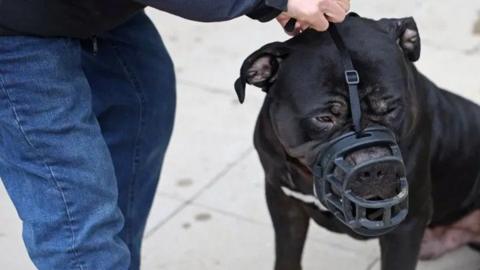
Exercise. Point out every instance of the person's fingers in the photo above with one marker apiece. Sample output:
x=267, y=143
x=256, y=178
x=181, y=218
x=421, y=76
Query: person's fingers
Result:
x=283, y=19
x=304, y=26
x=296, y=30
x=298, y=25
x=320, y=23
x=334, y=12
x=299, y=28
x=317, y=13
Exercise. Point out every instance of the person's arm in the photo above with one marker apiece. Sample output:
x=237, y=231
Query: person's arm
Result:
x=220, y=10
x=316, y=14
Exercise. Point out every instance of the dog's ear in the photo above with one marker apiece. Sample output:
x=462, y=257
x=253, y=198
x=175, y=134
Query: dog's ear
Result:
x=261, y=67
x=406, y=32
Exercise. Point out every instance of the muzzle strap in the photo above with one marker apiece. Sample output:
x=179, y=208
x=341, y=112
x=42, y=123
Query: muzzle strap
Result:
x=351, y=77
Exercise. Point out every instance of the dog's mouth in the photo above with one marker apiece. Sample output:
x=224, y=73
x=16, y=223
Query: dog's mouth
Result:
x=375, y=182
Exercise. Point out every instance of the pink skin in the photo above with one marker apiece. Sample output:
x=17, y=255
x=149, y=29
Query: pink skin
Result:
x=316, y=14
x=439, y=240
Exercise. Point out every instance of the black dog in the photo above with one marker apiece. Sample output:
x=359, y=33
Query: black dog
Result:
x=438, y=133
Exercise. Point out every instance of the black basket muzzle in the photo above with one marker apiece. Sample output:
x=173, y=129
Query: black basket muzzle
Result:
x=333, y=175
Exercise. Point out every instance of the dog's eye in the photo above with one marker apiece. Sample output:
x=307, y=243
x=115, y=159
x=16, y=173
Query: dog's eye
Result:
x=322, y=122
x=382, y=106
x=323, y=119
x=388, y=111
x=317, y=126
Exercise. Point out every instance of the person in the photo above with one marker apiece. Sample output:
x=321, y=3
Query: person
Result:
x=87, y=94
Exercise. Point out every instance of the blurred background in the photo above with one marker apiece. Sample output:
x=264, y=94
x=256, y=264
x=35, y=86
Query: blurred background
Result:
x=210, y=211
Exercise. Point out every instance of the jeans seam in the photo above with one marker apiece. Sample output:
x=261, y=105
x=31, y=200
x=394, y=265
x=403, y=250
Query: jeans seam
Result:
x=136, y=158
x=49, y=172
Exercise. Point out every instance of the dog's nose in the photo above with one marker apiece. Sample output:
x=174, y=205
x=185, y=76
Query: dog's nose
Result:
x=366, y=154
x=375, y=180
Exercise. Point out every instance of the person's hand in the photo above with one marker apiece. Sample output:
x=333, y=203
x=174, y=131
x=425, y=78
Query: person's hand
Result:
x=314, y=13
x=300, y=26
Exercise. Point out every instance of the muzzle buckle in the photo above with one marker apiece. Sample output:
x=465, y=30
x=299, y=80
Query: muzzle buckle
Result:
x=352, y=77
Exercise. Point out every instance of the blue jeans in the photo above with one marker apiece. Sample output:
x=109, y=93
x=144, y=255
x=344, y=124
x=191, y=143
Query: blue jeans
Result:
x=82, y=140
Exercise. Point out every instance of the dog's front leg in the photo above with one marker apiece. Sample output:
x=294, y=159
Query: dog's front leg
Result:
x=400, y=248
x=290, y=222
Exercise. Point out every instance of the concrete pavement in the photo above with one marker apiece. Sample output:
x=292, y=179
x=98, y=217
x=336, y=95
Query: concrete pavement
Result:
x=209, y=211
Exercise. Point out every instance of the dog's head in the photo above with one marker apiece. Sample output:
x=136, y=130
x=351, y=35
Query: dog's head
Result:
x=308, y=99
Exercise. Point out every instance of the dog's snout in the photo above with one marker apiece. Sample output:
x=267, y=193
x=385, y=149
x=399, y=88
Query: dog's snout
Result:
x=360, y=156
x=376, y=181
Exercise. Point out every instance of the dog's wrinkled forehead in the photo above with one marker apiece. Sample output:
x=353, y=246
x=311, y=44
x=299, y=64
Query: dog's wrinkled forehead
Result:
x=381, y=50
x=315, y=75
x=304, y=81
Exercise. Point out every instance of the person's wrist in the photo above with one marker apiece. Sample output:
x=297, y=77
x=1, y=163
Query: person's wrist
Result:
x=281, y=5
x=268, y=10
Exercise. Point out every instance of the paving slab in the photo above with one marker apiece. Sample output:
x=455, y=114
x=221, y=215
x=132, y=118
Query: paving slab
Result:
x=452, y=70
x=199, y=238
x=163, y=209
x=222, y=47
x=210, y=55
x=446, y=24
x=13, y=254
x=241, y=194
x=462, y=259
x=238, y=198
x=212, y=132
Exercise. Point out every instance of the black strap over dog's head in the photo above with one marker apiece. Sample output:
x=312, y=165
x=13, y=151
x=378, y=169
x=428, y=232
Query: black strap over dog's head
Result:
x=351, y=78
x=351, y=74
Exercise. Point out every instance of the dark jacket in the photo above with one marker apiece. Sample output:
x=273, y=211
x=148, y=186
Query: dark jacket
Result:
x=87, y=18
